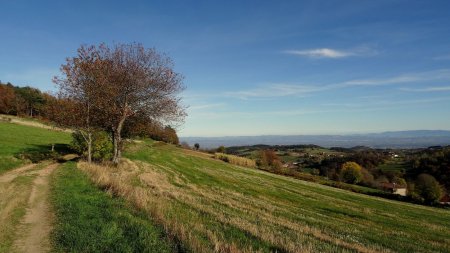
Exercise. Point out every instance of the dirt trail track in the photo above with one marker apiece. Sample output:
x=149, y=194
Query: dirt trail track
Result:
x=10, y=175
x=35, y=226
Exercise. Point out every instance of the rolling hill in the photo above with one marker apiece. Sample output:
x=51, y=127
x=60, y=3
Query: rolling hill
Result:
x=210, y=204
x=206, y=205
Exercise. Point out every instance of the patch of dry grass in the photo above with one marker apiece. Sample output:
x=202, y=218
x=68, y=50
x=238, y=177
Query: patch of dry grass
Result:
x=236, y=160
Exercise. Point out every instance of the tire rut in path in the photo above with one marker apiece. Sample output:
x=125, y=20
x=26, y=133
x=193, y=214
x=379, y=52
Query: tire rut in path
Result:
x=10, y=175
x=34, y=230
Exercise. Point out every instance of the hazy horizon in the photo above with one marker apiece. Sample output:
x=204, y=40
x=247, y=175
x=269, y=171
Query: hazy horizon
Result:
x=260, y=67
x=313, y=134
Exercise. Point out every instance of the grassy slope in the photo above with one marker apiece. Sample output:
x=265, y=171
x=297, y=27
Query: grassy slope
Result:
x=15, y=139
x=89, y=220
x=227, y=207
x=251, y=209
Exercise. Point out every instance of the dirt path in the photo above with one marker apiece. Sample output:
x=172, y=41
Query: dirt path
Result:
x=36, y=224
x=10, y=175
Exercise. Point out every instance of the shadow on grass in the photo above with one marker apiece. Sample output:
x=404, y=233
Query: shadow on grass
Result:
x=38, y=153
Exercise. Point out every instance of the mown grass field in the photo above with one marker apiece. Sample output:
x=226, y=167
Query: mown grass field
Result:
x=214, y=206
x=17, y=139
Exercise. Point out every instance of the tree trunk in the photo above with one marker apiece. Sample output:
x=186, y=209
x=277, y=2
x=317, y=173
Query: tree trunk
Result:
x=89, y=144
x=117, y=141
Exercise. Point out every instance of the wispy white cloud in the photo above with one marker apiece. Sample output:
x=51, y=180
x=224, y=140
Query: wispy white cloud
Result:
x=285, y=90
x=205, y=106
x=428, y=89
x=256, y=114
x=320, y=53
x=332, y=53
x=325, y=108
x=414, y=101
x=379, y=82
x=275, y=90
x=442, y=57
x=385, y=104
x=328, y=108
x=440, y=74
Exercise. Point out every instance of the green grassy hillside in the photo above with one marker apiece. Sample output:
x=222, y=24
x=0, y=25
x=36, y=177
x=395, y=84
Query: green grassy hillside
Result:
x=208, y=205
x=18, y=139
x=211, y=204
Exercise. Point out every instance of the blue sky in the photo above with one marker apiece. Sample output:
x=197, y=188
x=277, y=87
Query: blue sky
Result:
x=260, y=67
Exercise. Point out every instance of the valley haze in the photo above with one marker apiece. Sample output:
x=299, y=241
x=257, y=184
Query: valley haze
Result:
x=391, y=139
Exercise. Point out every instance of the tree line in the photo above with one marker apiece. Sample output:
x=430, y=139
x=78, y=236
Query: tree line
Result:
x=23, y=101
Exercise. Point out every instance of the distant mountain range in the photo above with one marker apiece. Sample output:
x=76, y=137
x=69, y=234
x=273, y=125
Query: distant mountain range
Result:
x=394, y=139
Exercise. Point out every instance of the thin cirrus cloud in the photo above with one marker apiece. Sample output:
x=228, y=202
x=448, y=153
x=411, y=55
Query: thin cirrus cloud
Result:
x=330, y=108
x=428, y=89
x=284, y=90
x=206, y=106
x=332, y=53
x=433, y=75
x=275, y=90
x=442, y=57
x=320, y=53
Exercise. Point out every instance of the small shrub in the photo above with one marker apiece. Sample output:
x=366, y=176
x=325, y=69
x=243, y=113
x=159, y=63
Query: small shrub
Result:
x=367, y=178
x=102, y=147
x=427, y=189
x=351, y=173
x=221, y=149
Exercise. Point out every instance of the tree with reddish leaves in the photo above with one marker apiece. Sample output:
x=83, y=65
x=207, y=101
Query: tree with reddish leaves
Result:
x=7, y=99
x=79, y=95
x=70, y=113
x=269, y=159
x=121, y=82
